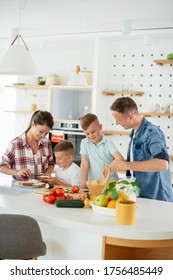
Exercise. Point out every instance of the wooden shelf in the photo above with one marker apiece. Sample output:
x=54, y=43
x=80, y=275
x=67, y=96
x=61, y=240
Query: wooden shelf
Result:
x=27, y=86
x=65, y=87
x=163, y=61
x=148, y=114
x=19, y=111
x=114, y=92
x=114, y=132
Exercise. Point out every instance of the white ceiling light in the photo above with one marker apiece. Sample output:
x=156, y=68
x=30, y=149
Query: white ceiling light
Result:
x=18, y=60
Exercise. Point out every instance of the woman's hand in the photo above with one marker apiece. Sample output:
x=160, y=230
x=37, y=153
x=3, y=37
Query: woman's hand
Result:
x=26, y=173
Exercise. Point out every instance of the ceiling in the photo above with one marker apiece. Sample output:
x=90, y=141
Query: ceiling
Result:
x=47, y=19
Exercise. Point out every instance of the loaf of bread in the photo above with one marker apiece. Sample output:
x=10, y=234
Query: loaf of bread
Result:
x=26, y=183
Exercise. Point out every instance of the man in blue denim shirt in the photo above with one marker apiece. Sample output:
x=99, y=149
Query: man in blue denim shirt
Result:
x=147, y=156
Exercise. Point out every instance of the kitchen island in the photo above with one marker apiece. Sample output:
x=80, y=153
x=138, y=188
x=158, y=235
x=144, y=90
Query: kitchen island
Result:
x=79, y=233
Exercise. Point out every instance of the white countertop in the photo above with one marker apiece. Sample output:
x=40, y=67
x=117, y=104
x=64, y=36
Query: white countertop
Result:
x=152, y=223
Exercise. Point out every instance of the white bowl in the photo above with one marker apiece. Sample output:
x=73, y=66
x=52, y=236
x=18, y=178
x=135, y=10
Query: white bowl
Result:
x=102, y=210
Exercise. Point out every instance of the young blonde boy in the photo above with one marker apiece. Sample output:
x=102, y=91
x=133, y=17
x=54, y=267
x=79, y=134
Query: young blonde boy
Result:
x=97, y=152
x=67, y=172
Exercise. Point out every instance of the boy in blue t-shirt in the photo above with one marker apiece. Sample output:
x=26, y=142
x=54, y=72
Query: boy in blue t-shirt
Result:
x=97, y=152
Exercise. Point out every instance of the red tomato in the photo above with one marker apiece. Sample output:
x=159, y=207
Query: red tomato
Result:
x=68, y=196
x=75, y=189
x=44, y=197
x=59, y=192
x=60, y=197
x=53, y=191
x=50, y=199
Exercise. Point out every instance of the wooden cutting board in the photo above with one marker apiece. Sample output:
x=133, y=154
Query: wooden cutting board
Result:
x=79, y=195
x=42, y=191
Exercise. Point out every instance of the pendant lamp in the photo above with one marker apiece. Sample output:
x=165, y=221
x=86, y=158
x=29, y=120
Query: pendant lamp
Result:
x=17, y=60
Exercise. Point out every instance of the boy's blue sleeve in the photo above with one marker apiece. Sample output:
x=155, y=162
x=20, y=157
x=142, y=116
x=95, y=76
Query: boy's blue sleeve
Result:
x=83, y=150
x=112, y=147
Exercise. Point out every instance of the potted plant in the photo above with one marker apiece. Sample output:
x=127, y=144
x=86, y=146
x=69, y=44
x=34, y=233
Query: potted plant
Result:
x=124, y=191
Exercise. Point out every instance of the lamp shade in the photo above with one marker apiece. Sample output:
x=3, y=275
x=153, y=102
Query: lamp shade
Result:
x=17, y=61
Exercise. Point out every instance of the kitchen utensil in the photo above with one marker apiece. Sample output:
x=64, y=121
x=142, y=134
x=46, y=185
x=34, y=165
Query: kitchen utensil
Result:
x=106, y=181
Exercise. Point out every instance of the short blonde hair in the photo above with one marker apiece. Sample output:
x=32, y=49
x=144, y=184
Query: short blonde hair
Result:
x=64, y=146
x=87, y=120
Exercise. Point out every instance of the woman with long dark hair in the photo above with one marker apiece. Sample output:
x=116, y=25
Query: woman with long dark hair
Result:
x=30, y=154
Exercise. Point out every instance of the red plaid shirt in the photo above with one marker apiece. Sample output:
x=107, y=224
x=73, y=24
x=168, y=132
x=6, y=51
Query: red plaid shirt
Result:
x=19, y=155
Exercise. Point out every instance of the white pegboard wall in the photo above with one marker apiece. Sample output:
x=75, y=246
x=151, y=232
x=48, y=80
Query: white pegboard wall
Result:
x=133, y=68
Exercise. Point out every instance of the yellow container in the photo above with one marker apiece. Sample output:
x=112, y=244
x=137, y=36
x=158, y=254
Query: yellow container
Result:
x=33, y=107
x=125, y=213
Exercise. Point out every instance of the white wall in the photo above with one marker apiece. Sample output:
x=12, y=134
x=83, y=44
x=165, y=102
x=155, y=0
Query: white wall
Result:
x=135, y=60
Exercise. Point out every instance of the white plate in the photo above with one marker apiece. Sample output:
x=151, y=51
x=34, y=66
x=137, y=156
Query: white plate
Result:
x=36, y=184
x=102, y=210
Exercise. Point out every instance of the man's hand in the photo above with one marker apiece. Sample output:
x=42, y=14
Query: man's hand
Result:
x=118, y=165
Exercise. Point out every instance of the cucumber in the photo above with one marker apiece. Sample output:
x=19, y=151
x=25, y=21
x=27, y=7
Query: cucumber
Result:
x=71, y=203
x=67, y=189
x=49, y=186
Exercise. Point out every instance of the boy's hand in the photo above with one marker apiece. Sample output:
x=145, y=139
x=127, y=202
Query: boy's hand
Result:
x=106, y=171
x=50, y=180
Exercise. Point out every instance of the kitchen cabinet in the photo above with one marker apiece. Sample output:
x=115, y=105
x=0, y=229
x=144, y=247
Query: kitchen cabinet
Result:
x=120, y=249
x=69, y=102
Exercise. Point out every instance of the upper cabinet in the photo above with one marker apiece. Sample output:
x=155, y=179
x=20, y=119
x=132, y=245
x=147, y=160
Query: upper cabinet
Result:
x=69, y=102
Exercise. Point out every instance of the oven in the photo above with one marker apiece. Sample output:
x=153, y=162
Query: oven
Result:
x=70, y=131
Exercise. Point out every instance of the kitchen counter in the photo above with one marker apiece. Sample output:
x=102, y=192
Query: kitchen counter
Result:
x=152, y=223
